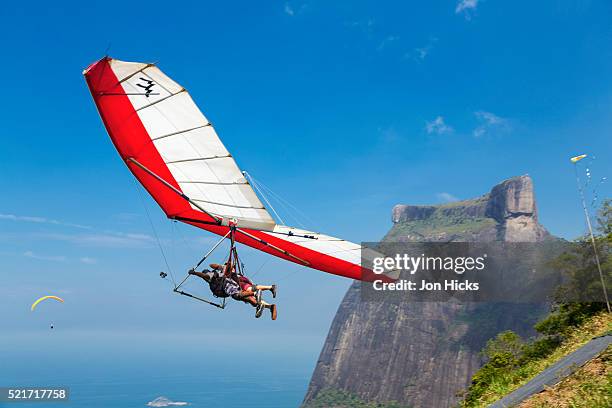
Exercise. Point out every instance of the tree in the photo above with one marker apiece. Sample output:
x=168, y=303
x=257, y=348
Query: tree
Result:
x=581, y=296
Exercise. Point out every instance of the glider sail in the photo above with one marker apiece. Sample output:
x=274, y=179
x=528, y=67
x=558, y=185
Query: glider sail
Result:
x=175, y=153
x=188, y=145
x=33, y=307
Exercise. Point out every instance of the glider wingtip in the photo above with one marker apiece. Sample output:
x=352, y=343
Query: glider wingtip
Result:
x=94, y=64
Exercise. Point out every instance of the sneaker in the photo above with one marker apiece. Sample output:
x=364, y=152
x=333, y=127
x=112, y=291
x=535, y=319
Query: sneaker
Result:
x=259, y=311
x=273, y=290
x=273, y=311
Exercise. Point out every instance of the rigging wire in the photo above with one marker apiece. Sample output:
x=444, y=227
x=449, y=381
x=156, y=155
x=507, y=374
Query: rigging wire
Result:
x=161, y=249
x=286, y=204
x=259, y=186
x=261, y=267
x=289, y=274
x=254, y=183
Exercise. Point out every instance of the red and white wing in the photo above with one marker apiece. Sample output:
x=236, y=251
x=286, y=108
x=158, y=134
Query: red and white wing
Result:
x=153, y=120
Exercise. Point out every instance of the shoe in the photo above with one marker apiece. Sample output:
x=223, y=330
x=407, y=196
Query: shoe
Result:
x=259, y=311
x=273, y=311
x=273, y=290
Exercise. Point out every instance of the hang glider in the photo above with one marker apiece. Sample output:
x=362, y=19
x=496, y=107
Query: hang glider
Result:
x=175, y=153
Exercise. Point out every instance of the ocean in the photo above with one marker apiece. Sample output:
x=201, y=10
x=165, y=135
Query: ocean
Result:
x=119, y=373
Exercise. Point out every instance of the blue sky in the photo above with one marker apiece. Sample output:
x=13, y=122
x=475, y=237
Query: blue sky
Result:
x=343, y=109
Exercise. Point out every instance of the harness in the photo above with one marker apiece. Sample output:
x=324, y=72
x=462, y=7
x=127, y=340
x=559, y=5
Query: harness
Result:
x=233, y=270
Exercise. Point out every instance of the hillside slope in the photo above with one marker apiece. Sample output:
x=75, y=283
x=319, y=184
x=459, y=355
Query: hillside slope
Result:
x=556, y=372
x=588, y=387
x=499, y=386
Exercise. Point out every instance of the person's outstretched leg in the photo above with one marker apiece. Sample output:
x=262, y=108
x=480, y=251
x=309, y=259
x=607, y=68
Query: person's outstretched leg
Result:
x=263, y=305
x=251, y=300
x=246, y=297
x=271, y=288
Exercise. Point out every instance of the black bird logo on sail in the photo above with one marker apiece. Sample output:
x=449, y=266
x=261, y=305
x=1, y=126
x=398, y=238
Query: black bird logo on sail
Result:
x=148, y=86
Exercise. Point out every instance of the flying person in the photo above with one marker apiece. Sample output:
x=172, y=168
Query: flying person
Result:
x=224, y=282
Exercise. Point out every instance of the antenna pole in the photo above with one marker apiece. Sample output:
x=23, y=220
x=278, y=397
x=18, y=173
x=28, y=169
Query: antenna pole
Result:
x=588, y=220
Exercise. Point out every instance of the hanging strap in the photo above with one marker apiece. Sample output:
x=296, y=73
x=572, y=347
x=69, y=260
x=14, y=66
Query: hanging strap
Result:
x=233, y=257
x=232, y=262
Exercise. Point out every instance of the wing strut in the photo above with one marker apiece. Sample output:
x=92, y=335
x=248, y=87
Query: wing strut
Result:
x=220, y=306
x=171, y=187
x=282, y=251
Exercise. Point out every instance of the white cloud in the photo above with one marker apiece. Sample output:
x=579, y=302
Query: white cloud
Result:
x=389, y=135
x=447, y=197
x=487, y=122
x=59, y=258
x=387, y=41
x=165, y=402
x=104, y=239
x=125, y=217
x=438, y=126
x=289, y=10
x=467, y=8
x=421, y=53
x=53, y=258
x=293, y=10
x=365, y=26
x=40, y=220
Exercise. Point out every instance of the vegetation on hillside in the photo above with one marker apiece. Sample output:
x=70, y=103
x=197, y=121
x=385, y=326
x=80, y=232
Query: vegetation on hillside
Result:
x=440, y=225
x=330, y=398
x=579, y=314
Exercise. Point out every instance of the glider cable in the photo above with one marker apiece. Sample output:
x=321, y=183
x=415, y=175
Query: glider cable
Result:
x=216, y=218
x=161, y=249
x=171, y=187
x=254, y=183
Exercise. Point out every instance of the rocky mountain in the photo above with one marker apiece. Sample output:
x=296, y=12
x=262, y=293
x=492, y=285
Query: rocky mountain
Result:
x=423, y=354
x=507, y=213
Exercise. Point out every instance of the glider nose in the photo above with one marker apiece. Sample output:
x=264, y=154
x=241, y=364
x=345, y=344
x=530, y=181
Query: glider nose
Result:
x=93, y=64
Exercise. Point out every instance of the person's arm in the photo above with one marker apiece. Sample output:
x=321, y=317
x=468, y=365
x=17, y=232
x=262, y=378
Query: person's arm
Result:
x=227, y=270
x=204, y=275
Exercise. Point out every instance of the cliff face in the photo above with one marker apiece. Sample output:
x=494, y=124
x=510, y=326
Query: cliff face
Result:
x=423, y=354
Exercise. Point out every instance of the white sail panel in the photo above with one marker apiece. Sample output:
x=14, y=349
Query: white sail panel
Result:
x=201, y=139
x=190, y=147
x=325, y=244
x=123, y=69
x=332, y=246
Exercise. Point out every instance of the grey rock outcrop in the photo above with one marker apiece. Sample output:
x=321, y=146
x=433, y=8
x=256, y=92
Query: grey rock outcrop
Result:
x=508, y=212
x=512, y=204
